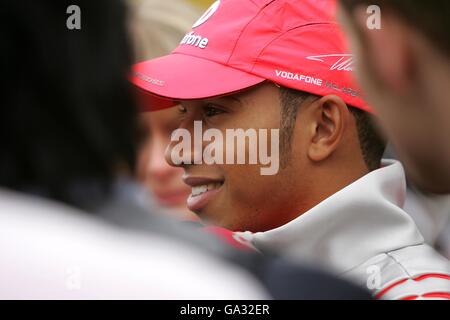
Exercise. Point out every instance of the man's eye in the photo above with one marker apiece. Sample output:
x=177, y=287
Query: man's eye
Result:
x=211, y=111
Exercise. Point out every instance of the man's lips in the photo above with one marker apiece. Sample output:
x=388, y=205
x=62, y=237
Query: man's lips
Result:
x=203, y=190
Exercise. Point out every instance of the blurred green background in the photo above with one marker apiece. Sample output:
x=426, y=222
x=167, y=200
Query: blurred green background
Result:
x=202, y=3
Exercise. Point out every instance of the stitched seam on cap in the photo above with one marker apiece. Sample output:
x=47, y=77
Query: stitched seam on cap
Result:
x=243, y=29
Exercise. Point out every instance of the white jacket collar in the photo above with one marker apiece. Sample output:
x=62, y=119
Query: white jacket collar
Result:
x=359, y=222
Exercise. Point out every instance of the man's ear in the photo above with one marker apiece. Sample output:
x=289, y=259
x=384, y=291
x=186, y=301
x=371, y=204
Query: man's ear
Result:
x=387, y=50
x=329, y=117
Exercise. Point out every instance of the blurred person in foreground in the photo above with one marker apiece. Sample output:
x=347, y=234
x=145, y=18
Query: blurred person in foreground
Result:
x=283, y=65
x=404, y=68
x=158, y=26
x=68, y=205
x=73, y=223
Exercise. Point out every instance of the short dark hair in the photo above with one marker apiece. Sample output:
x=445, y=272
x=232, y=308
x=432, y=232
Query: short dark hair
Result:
x=67, y=115
x=371, y=142
x=429, y=17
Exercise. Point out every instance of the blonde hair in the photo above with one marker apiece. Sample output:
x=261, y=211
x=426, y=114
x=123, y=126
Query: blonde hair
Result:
x=159, y=25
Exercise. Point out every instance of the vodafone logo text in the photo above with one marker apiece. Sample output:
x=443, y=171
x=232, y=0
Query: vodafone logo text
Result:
x=194, y=40
x=299, y=77
x=317, y=82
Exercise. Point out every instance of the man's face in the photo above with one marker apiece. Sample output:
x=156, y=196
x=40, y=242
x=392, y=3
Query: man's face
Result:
x=238, y=196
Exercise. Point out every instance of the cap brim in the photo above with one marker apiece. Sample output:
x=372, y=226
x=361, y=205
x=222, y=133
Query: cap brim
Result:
x=147, y=101
x=184, y=77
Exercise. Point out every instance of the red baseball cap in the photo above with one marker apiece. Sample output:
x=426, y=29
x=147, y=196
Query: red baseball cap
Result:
x=237, y=44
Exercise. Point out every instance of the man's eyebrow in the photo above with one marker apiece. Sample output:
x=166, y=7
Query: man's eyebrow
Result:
x=235, y=99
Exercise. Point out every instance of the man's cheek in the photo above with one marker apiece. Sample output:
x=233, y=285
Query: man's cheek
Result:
x=252, y=189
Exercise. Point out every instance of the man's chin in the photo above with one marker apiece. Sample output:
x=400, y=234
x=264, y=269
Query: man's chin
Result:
x=212, y=218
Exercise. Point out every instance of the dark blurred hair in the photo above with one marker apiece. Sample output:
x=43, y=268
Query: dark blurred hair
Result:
x=431, y=17
x=67, y=116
